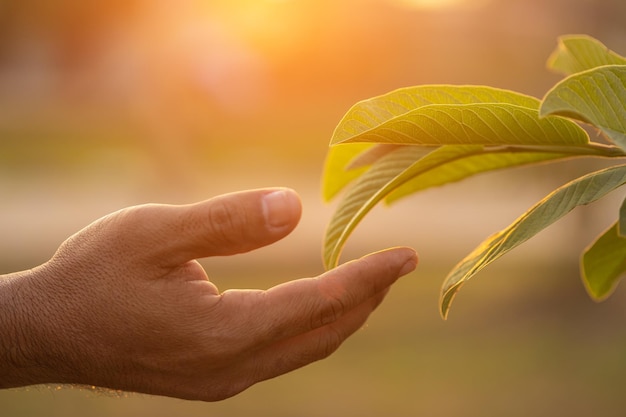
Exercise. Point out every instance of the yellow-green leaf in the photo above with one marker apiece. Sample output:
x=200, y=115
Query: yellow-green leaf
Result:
x=604, y=263
x=368, y=114
x=577, y=53
x=409, y=166
x=473, y=124
x=342, y=162
x=582, y=191
x=337, y=173
x=470, y=164
x=345, y=163
x=596, y=96
x=361, y=197
x=371, y=155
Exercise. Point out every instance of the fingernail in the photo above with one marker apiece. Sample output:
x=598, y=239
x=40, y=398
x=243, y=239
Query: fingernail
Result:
x=409, y=265
x=281, y=209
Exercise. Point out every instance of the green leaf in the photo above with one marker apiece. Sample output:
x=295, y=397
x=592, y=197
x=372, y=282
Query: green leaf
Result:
x=442, y=114
x=621, y=224
x=469, y=164
x=496, y=158
x=577, y=53
x=373, y=154
x=474, y=124
x=353, y=206
x=371, y=113
x=407, y=170
x=581, y=191
x=337, y=173
x=492, y=124
x=596, y=96
x=603, y=263
x=340, y=168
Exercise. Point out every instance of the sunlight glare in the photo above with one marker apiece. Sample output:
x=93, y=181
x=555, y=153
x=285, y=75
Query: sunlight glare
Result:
x=272, y=26
x=440, y=4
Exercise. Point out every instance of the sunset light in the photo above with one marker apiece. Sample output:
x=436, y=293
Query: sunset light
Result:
x=273, y=26
x=441, y=4
x=171, y=108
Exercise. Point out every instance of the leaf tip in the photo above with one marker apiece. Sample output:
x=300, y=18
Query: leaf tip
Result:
x=596, y=294
x=446, y=298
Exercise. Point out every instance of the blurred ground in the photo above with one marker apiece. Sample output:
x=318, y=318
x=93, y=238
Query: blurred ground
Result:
x=108, y=105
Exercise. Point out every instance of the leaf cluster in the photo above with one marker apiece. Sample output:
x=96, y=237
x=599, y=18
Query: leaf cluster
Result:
x=411, y=139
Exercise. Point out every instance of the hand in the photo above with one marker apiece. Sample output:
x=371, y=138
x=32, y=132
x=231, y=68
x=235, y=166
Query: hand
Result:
x=124, y=305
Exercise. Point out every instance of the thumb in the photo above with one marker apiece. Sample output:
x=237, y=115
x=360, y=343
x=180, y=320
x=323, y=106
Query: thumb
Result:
x=224, y=225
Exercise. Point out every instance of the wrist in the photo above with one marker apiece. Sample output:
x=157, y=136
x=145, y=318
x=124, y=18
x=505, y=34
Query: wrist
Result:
x=26, y=342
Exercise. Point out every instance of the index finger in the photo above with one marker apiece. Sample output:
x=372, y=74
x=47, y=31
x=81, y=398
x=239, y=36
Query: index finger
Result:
x=303, y=305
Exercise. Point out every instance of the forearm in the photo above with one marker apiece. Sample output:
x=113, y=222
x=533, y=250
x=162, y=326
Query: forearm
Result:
x=24, y=340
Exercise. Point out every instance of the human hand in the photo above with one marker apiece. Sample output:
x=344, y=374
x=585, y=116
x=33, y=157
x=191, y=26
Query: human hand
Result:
x=124, y=305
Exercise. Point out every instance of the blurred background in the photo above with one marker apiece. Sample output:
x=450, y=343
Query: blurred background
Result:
x=109, y=104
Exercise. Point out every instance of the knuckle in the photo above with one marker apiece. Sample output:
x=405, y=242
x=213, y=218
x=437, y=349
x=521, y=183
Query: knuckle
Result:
x=334, y=305
x=225, y=222
x=129, y=226
x=113, y=235
x=129, y=222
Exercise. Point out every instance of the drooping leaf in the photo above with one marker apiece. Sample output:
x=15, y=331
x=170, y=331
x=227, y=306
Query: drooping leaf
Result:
x=581, y=191
x=373, y=154
x=577, y=53
x=596, y=96
x=336, y=168
x=621, y=224
x=493, y=159
x=473, y=124
x=408, y=170
x=468, y=165
x=604, y=263
x=346, y=216
x=371, y=113
x=341, y=162
x=501, y=116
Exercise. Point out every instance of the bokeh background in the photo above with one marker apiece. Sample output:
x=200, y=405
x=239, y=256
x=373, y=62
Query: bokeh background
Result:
x=116, y=103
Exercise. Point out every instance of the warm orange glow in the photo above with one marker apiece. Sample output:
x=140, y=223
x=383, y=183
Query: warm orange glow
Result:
x=441, y=4
x=272, y=27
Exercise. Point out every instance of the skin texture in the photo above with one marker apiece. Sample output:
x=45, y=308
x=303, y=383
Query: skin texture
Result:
x=124, y=305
